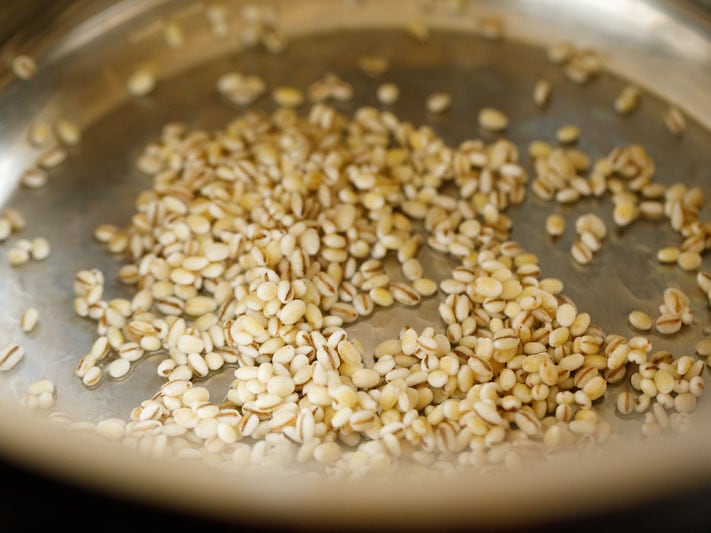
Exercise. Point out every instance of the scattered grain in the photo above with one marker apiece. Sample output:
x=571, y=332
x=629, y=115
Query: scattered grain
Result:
x=141, y=82
x=542, y=93
x=640, y=320
x=10, y=356
x=438, y=102
x=288, y=96
x=675, y=122
x=492, y=119
x=29, y=319
x=24, y=67
x=374, y=65
x=628, y=100
x=568, y=134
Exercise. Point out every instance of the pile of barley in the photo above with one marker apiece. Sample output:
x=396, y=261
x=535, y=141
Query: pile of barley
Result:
x=258, y=245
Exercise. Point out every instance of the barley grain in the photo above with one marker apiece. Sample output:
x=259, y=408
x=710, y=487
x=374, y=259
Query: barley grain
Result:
x=34, y=178
x=640, y=320
x=374, y=65
x=40, y=249
x=674, y=121
x=24, y=67
x=492, y=119
x=10, y=356
x=668, y=324
x=18, y=256
x=555, y=225
x=29, y=320
x=52, y=158
x=438, y=102
x=542, y=93
x=67, y=132
x=628, y=100
x=581, y=252
x=568, y=134
x=288, y=96
x=689, y=261
x=388, y=93
x=141, y=82
x=668, y=255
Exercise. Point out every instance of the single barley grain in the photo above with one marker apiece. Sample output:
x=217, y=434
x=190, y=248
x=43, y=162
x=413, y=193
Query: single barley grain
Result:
x=24, y=67
x=568, y=134
x=18, y=256
x=10, y=356
x=141, y=82
x=173, y=35
x=640, y=320
x=668, y=324
x=492, y=119
x=668, y=255
x=374, y=65
x=542, y=93
x=288, y=96
x=67, y=132
x=418, y=30
x=29, y=319
x=388, y=93
x=438, y=102
x=34, y=178
x=675, y=121
x=39, y=134
x=689, y=261
x=628, y=100
x=40, y=249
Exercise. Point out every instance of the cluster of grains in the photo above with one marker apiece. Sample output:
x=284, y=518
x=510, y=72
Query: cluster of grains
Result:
x=591, y=231
x=627, y=176
x=260, y=27
x=241, y=89
x=559, y=173
x=330, y=87
x=41, y=135
x=40, y=395
x=25, y=250
x=674, y=312
x=258, y=245
x=581, y=65
x=217, y=18
x=11, y=221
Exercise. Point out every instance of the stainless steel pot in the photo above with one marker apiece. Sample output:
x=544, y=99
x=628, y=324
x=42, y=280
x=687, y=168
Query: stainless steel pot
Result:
x=85, y=50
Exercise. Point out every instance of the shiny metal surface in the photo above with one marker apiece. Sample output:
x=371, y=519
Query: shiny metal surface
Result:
x=85, y=55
